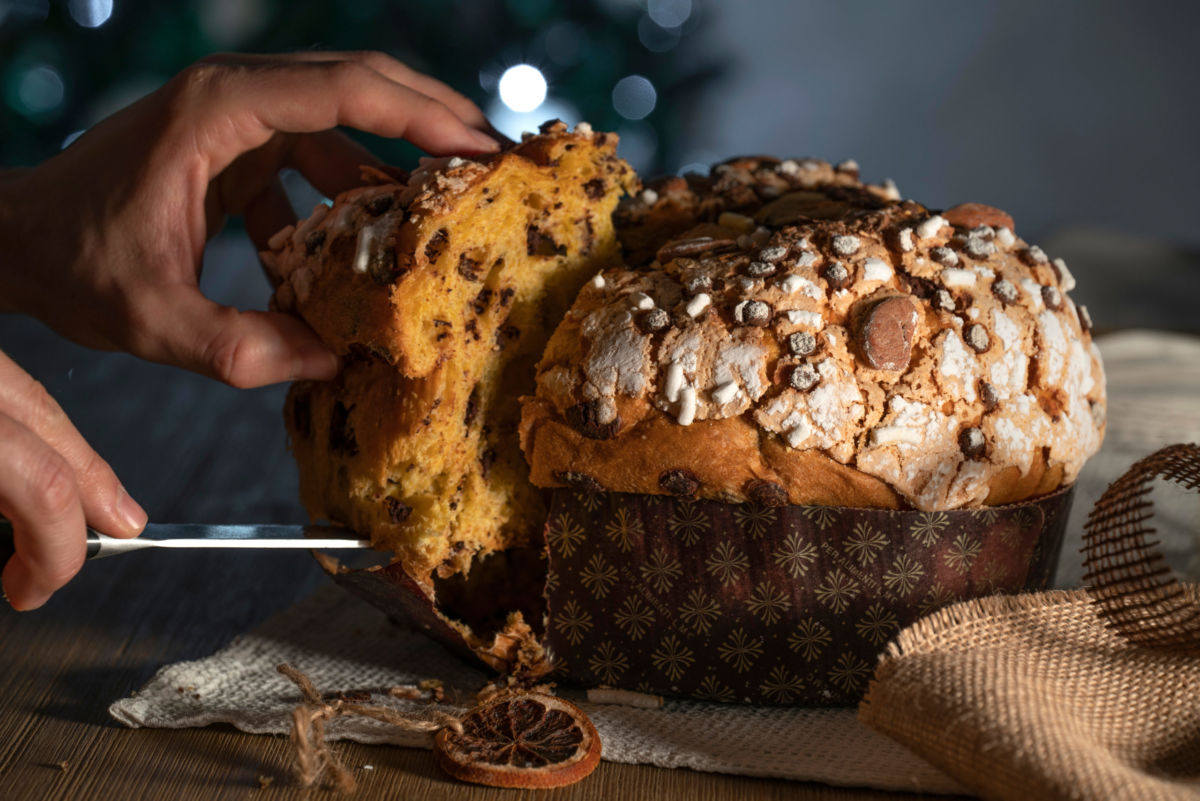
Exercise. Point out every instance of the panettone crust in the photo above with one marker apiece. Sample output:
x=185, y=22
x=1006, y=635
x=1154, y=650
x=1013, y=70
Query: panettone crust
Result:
x=839, y=347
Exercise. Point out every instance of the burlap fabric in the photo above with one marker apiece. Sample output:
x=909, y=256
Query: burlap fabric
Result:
x=1086, y=694
x=1032, y=697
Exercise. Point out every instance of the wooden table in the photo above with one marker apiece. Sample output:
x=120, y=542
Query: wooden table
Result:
x=194, y=451
x=123, y=618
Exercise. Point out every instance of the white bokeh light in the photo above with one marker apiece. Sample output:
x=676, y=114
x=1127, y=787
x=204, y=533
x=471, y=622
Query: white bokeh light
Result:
x=90, y=13
x=522, y=88
x=634, y=97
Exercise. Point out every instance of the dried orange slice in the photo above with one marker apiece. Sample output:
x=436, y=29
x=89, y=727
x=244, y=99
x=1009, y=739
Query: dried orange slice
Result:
x=520, y=740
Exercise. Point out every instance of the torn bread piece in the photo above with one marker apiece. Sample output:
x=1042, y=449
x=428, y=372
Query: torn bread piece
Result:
x=440, y=294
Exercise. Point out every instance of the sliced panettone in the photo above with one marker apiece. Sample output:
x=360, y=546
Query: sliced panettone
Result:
x=440, y=295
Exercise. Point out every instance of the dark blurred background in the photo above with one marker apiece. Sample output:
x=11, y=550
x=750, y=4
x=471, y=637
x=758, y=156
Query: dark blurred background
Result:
x=1078, y=117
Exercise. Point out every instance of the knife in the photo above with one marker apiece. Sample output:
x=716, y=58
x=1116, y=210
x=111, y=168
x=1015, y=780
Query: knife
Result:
x=197, y=535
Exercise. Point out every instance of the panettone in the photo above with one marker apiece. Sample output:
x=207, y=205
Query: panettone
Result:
x=774, y=334
x=824, y=344
x=440, y=293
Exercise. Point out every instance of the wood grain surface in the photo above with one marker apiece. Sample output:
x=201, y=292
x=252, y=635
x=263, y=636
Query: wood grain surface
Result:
x=194, y=451
x=123, y=618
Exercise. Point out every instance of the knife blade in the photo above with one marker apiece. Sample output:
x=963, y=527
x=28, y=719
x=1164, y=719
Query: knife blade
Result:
x=199, y=535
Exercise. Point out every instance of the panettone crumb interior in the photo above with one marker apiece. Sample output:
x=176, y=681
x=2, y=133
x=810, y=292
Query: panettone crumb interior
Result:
x=416, y=441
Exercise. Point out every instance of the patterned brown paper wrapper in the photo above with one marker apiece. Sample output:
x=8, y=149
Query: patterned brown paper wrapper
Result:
x=768, y=605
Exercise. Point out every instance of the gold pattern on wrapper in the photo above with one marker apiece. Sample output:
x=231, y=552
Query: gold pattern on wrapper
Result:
x=795, y=555
x=809, y=639
x=699, y=612
x=741, y=650
x=660, y=572
x=573, y=622
x=877, y=625
x=689, y=522
x=608, y=662
x=782, y=686
x=741, y=603
x=623, y=529
x=865, y=544
x=599, y=576
x=564, y=535
x=927, y=528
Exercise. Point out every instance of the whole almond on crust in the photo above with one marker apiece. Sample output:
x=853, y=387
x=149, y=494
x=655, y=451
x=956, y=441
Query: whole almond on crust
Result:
x=973, y=215
x=886, y=333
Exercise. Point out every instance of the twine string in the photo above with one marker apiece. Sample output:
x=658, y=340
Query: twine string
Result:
x=314, y=760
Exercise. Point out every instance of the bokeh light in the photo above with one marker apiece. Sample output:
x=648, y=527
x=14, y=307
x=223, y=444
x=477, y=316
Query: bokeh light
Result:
x=512, y=123
x=522, y=88
x=656, y=38
x=93, y=57
x=669, y=13
x=90, y=13
x=40, y=90
x=634, y=97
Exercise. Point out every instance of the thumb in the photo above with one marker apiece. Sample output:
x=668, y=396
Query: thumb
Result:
x=241, y=348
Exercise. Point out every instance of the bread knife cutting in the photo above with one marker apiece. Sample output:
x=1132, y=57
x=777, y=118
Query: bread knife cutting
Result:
x=197, y=535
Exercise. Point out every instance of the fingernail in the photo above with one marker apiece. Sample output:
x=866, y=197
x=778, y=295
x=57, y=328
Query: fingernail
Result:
x=484, y=142
x=132, y=514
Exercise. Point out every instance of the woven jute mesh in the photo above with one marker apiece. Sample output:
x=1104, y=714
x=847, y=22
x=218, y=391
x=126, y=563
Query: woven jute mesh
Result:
x=1134, y=589
x=1084, y=694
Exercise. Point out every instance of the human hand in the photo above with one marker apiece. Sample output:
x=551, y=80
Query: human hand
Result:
x=103, y=242
x=51, y=482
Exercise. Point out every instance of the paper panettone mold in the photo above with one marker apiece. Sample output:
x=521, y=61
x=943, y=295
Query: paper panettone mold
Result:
x=736, y=603
x=768, y=605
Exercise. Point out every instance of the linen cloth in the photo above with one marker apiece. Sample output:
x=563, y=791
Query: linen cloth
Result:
x=344, y=645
